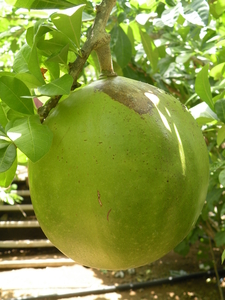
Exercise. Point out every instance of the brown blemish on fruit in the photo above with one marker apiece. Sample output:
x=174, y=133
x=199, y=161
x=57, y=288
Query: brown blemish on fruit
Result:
x=129, y=93
x=99, y=198
x=108, y=214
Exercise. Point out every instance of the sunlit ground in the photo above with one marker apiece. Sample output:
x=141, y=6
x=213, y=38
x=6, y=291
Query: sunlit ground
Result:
x=34, y=282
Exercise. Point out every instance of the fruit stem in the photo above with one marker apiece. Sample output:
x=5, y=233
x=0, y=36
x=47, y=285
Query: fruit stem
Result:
x=98, y=40
x=105, y=61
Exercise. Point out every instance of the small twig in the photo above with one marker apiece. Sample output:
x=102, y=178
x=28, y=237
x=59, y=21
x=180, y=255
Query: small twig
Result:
x=97, y=40
x=216, y=270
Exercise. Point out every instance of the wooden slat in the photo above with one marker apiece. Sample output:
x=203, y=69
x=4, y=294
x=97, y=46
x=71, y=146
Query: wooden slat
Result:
x=17, y=207
x=32, y=262
x=19, y=224
x=26, y=244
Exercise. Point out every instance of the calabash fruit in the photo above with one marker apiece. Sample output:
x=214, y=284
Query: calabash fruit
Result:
x=126, y=176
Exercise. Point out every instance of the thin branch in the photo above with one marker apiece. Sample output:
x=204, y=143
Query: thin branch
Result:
x=97, y=40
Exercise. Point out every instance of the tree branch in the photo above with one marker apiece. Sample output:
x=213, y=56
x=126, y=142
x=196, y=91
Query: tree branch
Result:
x=97, y=40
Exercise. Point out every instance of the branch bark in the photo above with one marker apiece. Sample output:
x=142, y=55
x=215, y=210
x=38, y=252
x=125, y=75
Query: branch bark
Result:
x=98, y=39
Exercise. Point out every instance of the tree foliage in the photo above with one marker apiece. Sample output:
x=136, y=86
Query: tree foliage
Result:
x=178, y=46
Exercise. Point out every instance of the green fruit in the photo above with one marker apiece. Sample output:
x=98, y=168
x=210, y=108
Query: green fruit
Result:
x=126, y=177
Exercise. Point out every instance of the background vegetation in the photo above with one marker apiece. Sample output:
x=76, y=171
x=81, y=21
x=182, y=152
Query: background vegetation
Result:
x=178, y=46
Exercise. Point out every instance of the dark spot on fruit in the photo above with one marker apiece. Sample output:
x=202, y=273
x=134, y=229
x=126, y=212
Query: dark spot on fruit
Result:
x=108, y=214
x=99, y=198
x=129, y=95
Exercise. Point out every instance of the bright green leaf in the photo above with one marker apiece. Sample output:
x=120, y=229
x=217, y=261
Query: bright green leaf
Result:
x=70, y=25
x=220, y=109
x=12, y=91
x=220, y=7
x=7, y=157
x=60, y=86
x=31, y=137
x=44, y=4
x=7, y=177
x=218, y=71
x=202, y=87
x=150, y=49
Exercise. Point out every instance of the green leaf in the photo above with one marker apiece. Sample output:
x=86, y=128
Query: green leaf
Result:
x=3, y=114
x=223, y=257
x=55, y=42
x=70, y=25
x=218, y=71
x=150, y=49
x=20, y=64
x=31, y=137
x=184, y=57
x=220, y=7
x=122, y=46
x=220, y=135
x=220, y=109
x=197, y=12
x=61, y=56
x=44, y=4
x=4, y=143
x=60, y=86
x=170, y=16
x=34, y=65
x=222, y=177
x=12, y=91
x=220, y=238
x=7, y=157
x=202, y=86
x=7, y=177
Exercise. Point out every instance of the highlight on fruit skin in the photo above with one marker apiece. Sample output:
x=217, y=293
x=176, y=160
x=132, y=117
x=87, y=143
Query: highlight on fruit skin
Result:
x=126, y=176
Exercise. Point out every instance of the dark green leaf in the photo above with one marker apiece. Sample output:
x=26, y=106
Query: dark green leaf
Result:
x=12, y=91
x=31, y=137
x=220, y=109
x=60, y=86
x=7, y=157
x=53, y=45
x=220, y=238
x=7, y=177
x=122, y=46
x=60, y=57
x=202, y=87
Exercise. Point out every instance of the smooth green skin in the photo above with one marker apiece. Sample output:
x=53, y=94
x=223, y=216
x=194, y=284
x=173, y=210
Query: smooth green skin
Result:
x=119, y=189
